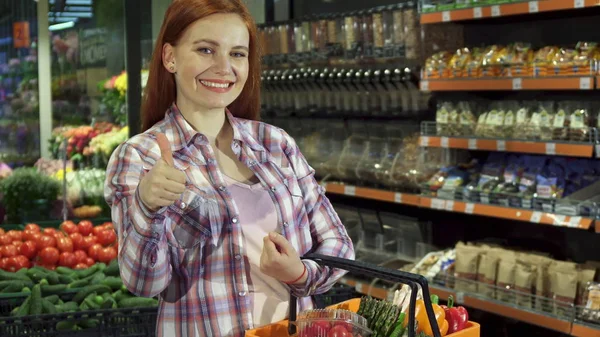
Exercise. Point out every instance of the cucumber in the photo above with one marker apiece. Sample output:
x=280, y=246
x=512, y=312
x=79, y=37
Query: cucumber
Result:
x=112, y=269
x=79, y=284
x=97, y=278
x=84, y=292
x=83, y=273
x=36, y=300
x=24, y=308
x=15, y=287
x=47, y=307
x=109, y=303
x=65, y=271
x=36, y=274
x=22, y=271
x=101, y=266
x=69, y=306
x=8, y=276
x=89, y=323
x=120, y=295
x=65, y=279
x=138, y=302
x=66, y=325
x=52, y=298
x=53, y=289
x=53, y=278
x=91, y=303
x=115, y=283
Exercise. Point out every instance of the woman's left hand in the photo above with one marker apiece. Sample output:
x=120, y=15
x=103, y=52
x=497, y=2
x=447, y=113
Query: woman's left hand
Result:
x=281, y=261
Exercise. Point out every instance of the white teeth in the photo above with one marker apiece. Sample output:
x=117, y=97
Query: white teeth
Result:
x=215, y=85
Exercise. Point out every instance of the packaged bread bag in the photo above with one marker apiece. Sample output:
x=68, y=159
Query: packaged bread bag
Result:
x=563, y=286
x=505, y=280
x=525, y=275
x=542, y=282
x=465, y=268
x=487, y=271
x=586, y=275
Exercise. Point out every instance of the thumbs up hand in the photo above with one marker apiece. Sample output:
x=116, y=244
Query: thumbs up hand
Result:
x=164, y=184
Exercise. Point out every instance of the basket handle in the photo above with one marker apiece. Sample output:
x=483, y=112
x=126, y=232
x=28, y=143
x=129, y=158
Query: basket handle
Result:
x=388, y=274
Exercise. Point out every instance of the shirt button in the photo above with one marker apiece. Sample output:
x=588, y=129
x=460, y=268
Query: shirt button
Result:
x=182, y=205
x=242, y=293
x=234, y=220
x=285, y=224
x=238, y=257
x=222, y=188
x=273, y=189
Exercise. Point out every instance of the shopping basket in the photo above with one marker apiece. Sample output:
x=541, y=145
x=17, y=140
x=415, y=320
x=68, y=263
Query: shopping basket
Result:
x=287, y=328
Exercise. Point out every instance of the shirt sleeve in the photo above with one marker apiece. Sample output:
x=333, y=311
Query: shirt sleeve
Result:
x=144, y=259
x=328, y=233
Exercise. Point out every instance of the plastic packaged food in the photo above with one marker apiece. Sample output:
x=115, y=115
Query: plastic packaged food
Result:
x=284, y=38
x=541, y=122
x=522, y=120
x=355, y=149
x=550, y=182
x=562, y=120
x=379, y=28
x=351, y=30
x=412, y=33
x=367, y=38
x=508, y=127
x=579, y=127
x=592, y=302
x=442, y=118
x=398, y=24
x=467, y=119
x=459, y=61
x=331, y=322
x=367, y=168
x=299, y=37
x=527, y=185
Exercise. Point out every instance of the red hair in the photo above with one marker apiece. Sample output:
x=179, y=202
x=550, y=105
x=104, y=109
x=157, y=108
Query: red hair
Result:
x=160, y=91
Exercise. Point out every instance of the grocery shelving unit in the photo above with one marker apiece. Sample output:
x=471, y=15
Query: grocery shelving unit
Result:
x=510, y=84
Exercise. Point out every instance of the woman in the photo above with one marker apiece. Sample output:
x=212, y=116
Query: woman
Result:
x=212, y=207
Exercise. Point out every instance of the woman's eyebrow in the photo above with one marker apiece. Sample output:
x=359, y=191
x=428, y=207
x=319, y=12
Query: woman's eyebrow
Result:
x=216, y=44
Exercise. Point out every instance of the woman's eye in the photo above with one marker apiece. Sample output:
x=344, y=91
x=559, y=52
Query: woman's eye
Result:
x=205, y=50
x=237, y=54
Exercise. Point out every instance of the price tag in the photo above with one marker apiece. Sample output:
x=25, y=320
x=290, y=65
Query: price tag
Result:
x=477, y=13
x=437, y=203
x=359, y=287
x=579, y=3
x=424, y=141
x=469, y=208
x=460, y=297
x=472, y=144
x=446, y=16
x=574, y=221
x=585, y=83
x=559, y=220
x=424, y=85
x=517, y=84
x=496, y=11
x=501, y=145
x=350, y=190
x=444, y=142
x=551, y=148
x=533, y=7
x=398, y=198
x=449, y=205
x=536, y=217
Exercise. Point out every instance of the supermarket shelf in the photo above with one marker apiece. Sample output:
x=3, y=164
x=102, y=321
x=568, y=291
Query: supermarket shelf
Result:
x=500, y=10
x=496, y=307
x=547, y=148
x=463, y=207
x=525, y=83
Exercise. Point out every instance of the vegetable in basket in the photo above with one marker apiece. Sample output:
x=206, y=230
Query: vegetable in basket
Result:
x=457, y=317
x=423, y=321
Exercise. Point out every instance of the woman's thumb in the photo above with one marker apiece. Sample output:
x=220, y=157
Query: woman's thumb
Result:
x=165, y=149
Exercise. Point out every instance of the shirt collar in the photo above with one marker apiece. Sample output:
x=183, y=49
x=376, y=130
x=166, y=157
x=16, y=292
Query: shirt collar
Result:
x=184, y=133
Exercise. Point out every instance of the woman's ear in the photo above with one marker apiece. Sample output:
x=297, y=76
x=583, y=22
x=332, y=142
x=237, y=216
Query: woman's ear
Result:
x=168, y=57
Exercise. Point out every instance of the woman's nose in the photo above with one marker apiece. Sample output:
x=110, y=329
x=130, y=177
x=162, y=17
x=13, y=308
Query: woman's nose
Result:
x=222, y=65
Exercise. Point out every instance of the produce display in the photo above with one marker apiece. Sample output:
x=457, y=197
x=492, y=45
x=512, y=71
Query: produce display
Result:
x=533, y=120
x=77, y=246
x=515, y=60
x=78, y=140
x=511, y=276
x=543, y=183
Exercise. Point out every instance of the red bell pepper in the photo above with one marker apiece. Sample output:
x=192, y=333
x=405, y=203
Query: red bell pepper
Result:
x=457, y=317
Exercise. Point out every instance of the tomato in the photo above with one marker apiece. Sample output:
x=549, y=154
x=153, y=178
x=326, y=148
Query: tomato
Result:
x=80, y=256
x=5, y=239
x=96, y=231
x=94, y=250
x=28, y=249
x=15, y=235
x=49, y=256
x=49, y=231
x=81, y=266
x=65, y=245
x=90, y=262
x=47, y=266
x=9, y=251
x=59, y=235
x=88, y=242
x=33, y=227
x=69, y=227
x=18, y=262
x=17, y=243
x=67, y=259
x=317, y=328
x=2, y=232
x=339, y=331
x=4, y=263
x=77, y=240
x=85, y=227
x=107, y=237
x=108, y=226
x=107, y=254
x=29, y=235
x=45, y=241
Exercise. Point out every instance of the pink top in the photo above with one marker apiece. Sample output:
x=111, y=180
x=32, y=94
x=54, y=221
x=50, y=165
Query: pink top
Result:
x=258, y=217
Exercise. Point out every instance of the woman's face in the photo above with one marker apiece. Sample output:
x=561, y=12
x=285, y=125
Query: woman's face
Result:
x=210, y=62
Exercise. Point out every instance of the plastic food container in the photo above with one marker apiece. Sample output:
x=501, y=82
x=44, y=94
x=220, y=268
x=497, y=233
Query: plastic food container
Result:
x=328, y=322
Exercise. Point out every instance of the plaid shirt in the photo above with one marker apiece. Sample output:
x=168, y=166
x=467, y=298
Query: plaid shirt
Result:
x=198, y=267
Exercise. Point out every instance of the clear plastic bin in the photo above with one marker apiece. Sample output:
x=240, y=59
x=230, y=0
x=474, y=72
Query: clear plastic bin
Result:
x=331, y=322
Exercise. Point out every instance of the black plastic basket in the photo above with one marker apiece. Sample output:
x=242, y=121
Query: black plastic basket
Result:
x=133, y=322
x=10, y=301
x=337, y=294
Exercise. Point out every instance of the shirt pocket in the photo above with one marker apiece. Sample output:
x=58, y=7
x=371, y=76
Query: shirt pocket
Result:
x=296, y=197
x=193, y=215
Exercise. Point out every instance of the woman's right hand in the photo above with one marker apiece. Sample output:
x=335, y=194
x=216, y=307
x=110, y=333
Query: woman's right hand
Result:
x=163, y=184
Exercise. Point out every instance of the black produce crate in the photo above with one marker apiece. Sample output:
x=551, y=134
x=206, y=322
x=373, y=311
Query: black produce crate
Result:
x=133, y=322
x=10, y=301
x=337, y=294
